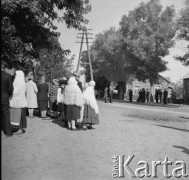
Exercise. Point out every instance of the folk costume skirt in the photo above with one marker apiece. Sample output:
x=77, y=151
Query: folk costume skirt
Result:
x=89, y=115
x=18, y=117
x=72, y=112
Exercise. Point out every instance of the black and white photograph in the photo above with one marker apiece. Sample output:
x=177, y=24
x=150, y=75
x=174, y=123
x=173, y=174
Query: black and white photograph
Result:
x=94, y=89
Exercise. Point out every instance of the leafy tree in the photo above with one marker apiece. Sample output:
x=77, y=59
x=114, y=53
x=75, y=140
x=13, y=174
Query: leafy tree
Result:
x=137, y=48
x=148, y=33
x=27, y=23
x=183, y=32
x=53, y=64
x=108, y=60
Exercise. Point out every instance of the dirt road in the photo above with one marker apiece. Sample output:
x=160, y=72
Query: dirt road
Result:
x=47, y=151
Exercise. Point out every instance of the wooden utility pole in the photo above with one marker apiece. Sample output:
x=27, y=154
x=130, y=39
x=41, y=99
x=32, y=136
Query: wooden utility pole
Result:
x=85, y=36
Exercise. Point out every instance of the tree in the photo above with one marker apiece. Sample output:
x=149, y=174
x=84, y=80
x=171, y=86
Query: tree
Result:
x=183, y=32
x=54, y=64
x=108, y=59
x=148, y=33
x=137, y=47
x=30, y=24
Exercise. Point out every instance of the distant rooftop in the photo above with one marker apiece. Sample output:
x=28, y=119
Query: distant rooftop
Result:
x=168, y=79
x=186, y=76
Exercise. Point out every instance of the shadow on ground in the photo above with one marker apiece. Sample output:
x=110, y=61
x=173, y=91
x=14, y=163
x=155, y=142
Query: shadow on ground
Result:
x=59, y=122
x=183, y=117
x=184, y=130
x=184, y=150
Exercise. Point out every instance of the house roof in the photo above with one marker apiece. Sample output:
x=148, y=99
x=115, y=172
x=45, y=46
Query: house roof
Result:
x=168, y=79
x=186, y=76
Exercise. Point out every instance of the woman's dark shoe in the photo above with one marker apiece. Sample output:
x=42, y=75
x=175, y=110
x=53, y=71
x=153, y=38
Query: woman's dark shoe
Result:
x=23, y=131
x=82, y=128
x=20, y=131
x=90, y=127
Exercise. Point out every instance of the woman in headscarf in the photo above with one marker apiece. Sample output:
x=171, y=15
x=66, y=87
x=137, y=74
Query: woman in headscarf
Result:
x=42, y=97
x=60, y=98
x=91, y=109
x=18, y=102
x=73, y=99
x=31, y=95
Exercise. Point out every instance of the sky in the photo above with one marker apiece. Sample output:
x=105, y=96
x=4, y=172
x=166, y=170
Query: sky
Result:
x=108, y=13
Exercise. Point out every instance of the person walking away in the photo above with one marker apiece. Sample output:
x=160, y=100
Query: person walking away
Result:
x=131, y=95
x=31, y=96
x=91, y=109
x=53, y=97
x=60, y=100
x=156, y=95
x=147, y=95
x=165, y=94
x=6, y=93
x=73, y=99
x=160, y=95
x=18, y=103
x=42, y=97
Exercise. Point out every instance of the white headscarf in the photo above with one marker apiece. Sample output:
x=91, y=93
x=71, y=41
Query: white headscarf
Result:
x=89, y=97
x=72, y=93
x=18, y=99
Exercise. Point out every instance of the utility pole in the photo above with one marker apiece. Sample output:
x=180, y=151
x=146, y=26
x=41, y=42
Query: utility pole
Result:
x=85, y=35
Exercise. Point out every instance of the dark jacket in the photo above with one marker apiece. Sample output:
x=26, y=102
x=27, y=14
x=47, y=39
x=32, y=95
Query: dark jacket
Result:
x=6, y=86
x=42, y=92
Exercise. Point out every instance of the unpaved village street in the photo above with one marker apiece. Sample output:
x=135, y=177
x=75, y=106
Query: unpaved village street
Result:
x=48, y=151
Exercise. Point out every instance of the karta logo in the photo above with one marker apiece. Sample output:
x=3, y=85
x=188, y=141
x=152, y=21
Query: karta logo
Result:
x=120, y=166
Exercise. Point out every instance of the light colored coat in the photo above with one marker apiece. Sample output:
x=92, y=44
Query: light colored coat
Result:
x=31, y=94
x=18, y=98
x=73, y=94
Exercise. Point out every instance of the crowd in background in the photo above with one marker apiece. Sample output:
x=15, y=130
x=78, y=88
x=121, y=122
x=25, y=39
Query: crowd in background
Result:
x=144, y=96
x=64, y=99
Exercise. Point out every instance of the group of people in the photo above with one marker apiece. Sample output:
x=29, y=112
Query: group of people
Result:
x=78, y=109
x=144, y=95
x=159, y=95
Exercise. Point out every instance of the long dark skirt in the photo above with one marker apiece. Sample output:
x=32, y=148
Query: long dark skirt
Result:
x=61, y=107
x=90, y=116
x=55, y=106
x=72, y=112
x=43, y=105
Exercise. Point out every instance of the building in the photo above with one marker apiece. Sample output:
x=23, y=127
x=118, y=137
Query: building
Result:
x=186, y=88
x=163, y=83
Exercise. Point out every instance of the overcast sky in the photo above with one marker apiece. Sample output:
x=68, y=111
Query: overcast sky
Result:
x=107, y=13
